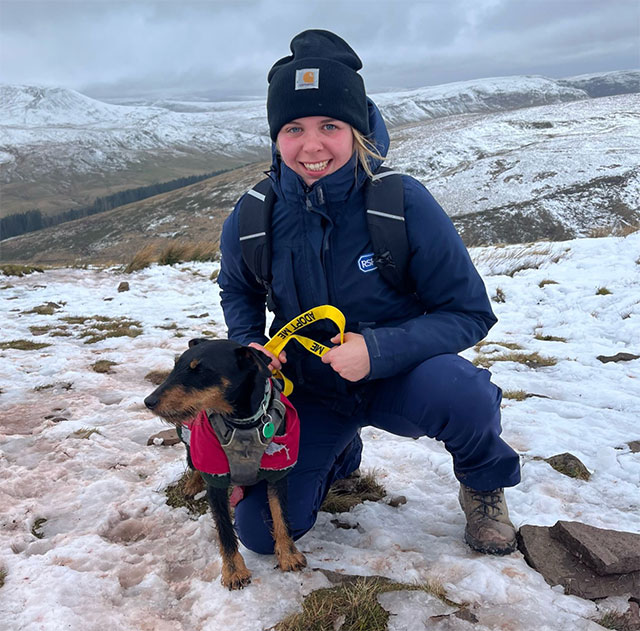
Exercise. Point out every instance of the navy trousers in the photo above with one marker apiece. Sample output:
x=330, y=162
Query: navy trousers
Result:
x=445, y=397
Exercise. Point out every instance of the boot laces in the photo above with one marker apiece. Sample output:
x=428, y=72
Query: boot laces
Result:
x=488, y=503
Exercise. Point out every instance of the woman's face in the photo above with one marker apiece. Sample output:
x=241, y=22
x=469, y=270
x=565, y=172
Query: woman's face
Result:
x=315, y=146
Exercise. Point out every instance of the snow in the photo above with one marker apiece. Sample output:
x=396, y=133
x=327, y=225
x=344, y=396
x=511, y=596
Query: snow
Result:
x=114, y=555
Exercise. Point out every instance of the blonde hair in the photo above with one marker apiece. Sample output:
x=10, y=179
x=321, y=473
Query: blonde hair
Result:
x=365, y=150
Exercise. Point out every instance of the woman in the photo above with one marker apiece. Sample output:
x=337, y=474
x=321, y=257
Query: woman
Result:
x=398, y=368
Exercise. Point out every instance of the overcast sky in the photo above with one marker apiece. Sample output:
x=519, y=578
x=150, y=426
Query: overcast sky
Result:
x=127, y=48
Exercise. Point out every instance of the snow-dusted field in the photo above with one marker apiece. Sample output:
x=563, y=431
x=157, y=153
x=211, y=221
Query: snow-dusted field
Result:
x=113, y=555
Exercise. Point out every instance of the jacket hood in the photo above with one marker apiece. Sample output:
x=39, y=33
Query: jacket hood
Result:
x=287, y=180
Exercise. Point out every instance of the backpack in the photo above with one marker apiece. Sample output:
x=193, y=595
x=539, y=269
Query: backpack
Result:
x=384, y=201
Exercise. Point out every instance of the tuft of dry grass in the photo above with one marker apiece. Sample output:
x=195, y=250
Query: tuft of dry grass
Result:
x=512, y=346
x=142, y=258
x=111, y=327
x=515, y=395
x=103, y=366
x=171, y=252
x=156, y=377
x=48, y=308
x=178, y=496
x=617, y=621
x=85, y=433
x=19, y=270
x=602, y=291
x=356, y=489
x=23, y=345
x=532, y=360
x=352, y=605
x=499, y=296
x=36, y=528
x=549, y=338
x=3, y=576
x=547, y=281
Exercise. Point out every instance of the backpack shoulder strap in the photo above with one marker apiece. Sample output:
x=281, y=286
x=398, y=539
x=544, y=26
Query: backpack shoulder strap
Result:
x=254, y=227
x=384, y=198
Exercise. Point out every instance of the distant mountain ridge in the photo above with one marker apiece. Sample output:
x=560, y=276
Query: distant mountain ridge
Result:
x=60, y=148
x=548, y=172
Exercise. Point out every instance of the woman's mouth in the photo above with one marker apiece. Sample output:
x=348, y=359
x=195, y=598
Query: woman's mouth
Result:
x=316, y=166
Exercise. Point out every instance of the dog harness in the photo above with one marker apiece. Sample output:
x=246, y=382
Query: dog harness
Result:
x=244, y=451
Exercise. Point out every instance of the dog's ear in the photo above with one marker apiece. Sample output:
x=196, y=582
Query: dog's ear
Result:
x=196, y=341
x=249, y=357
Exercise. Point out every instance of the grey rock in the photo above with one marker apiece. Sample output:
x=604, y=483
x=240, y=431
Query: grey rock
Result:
x=123, y=286
x=559, y=567
x=634, y=445
x=605, y=551
x=166, y=438
x=618, y=357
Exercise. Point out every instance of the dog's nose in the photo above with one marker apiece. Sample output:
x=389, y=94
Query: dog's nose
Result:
x=151, y=401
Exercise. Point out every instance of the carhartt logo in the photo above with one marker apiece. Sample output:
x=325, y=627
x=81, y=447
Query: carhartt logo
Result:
x=365, y=263
x=307, y=78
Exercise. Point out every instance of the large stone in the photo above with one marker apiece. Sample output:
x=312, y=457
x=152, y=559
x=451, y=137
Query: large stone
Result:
x=165, y=438
x=559, y=567
x=618, y=357
x=569, y=465
x=605, y=551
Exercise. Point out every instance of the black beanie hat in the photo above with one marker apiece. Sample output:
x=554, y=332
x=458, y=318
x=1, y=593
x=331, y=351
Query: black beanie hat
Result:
x=320, y=78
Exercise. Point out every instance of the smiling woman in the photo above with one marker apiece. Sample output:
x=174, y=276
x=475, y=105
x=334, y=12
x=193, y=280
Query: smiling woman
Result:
x=398, y=368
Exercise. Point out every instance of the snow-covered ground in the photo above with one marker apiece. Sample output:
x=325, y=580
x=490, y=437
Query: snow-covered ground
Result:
x=113, y=555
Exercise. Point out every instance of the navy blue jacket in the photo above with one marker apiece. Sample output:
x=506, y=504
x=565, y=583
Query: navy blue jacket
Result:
x=319, y=234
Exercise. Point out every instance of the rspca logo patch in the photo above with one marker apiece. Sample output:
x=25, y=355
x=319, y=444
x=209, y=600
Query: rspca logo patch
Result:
x=365, y=263
x=307, y=78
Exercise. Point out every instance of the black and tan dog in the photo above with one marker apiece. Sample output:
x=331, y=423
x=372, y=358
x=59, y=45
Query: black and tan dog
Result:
x=221, y=388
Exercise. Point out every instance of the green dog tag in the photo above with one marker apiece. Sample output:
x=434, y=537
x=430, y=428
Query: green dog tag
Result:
x=268, y=430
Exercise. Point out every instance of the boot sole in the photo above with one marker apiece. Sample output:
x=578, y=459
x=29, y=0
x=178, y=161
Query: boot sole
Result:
x=490, y=549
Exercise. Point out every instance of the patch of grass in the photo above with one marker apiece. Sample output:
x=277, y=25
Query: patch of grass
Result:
x=156, y=377
x=602, y=291
x=515, y=395
x=48, y=308
x=3, y=576
x=345, y=494
x=350, y=606
x=549, y=338
x=23, y=345
x=547, y=281
x=180, y=252
x=214, y=275
x=532, y=360
x=512, y=346
x=103, y=366
x=19, y=270
x=39, y=330
x=85, y=432
x=617, y=621
x=60, y=333
x=75, y=319
x=65, y=385
x=37, y=525
x=177, y=496
x=108, y=327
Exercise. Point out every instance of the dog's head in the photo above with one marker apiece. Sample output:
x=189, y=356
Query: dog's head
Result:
x=215, y=375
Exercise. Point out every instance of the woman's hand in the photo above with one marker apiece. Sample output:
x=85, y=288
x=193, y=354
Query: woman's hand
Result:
x=351, y=359
x=276, y=362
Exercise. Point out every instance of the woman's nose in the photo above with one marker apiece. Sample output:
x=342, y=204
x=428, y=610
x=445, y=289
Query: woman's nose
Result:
x=312, y=141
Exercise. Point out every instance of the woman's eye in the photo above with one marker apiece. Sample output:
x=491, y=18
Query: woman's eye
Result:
x=330, y=126
x=293, y=130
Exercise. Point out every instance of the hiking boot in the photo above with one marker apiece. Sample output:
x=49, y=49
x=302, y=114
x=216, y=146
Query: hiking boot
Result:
x=488, y=527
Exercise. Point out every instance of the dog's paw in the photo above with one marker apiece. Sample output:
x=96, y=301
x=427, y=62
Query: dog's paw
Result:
x=236, y=580
x=291, y=561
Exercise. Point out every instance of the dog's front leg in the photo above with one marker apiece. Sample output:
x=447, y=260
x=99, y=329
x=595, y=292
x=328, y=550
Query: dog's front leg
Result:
x=235, y=574
x=289, y=558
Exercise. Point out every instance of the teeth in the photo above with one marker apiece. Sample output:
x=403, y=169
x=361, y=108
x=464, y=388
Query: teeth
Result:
x=316, y=166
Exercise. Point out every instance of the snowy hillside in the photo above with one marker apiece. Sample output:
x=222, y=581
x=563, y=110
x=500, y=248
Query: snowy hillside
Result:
x=553, y=171
x=87, y=542
x=56, y=144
